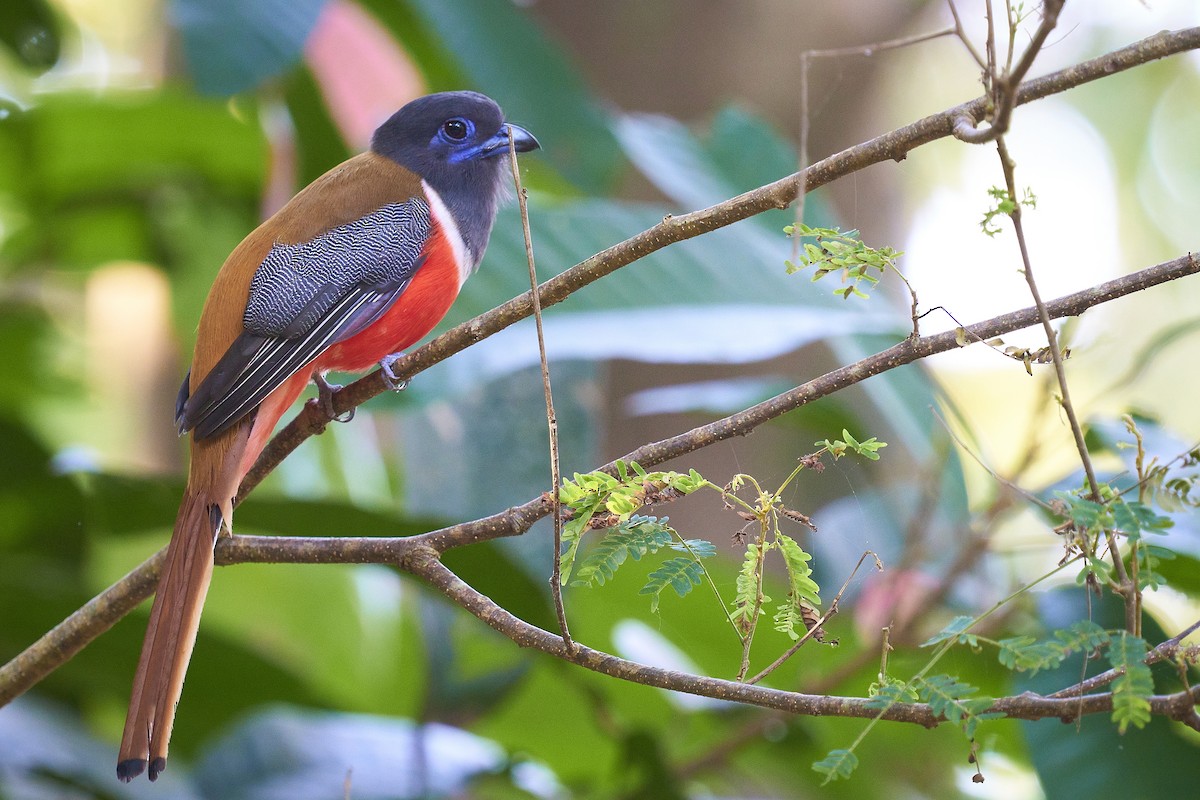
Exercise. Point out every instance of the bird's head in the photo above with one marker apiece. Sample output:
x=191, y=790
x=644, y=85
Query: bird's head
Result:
x=450, y=135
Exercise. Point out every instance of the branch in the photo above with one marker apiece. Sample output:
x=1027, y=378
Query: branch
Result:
x=70, y=636
x=423, y=562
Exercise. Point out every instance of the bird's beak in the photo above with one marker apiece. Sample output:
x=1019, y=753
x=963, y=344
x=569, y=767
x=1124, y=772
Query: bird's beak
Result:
x=523, y=141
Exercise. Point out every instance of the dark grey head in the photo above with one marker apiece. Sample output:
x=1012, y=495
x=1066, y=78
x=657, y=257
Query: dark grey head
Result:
x=456, y=142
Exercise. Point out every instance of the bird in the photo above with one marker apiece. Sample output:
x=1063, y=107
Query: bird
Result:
x=360, y=264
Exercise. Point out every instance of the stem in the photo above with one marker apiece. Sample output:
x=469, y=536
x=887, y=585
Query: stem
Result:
x=1127, y=590
x=551, y=418
x=758, y=598
x=711, y=583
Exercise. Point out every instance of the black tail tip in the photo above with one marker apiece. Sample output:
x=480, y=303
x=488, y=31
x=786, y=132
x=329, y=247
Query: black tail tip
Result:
x=130, y=768
x=157, y=766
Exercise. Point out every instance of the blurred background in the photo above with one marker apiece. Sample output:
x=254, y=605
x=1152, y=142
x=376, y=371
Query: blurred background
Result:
x=140, y=140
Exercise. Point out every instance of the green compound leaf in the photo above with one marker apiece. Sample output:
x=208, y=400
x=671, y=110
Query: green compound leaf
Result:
x=787, y=618
x=1027, y=654
x=801, y=586
x=1083, y=636
x=1131, y=691
x=633, y=538
x=700, y=548
x=747, y=590
x=681, y=574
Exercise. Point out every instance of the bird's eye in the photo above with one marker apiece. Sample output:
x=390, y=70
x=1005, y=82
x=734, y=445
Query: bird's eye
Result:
x=455, y=129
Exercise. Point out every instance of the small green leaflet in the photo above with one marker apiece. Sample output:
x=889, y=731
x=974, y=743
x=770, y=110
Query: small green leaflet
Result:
x=890, y=693
x=800, y=584
x=787, y=618
x=681, y=574
x=839, y=764
x=700, y=548
x=802, y=589
x=954, y=630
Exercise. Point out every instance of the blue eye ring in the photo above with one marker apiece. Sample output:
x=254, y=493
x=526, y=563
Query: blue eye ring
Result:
x=456, y=129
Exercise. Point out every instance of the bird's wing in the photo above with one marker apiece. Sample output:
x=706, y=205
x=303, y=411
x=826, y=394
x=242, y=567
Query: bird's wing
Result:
x=303, y=299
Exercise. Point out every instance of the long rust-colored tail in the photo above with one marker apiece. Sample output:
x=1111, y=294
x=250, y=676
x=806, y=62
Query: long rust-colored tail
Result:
x=218, y=465
x=174, y=620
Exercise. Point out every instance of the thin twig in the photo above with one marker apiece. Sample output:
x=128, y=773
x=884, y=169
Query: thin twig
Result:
x=551, y=418
x=879, y=47
x=996, y=476
x=806, y=58
x=1060, y=371
x=1005, y=89
x=961, y=33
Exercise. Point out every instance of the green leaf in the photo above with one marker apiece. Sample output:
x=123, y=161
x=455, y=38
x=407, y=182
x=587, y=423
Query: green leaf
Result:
x=635, y=537
x=955, y=629
x=837, y=765
x=1025, y=653
x=681, y=574
x=1131, y=691
x=890, y=693
x=572, y=536
x=1082, y=636
x=700, y=548
x=787, y=618
x=801, y=586
x=944, y=694
x=746, y=599
x=949, y=697
x=1086, y=514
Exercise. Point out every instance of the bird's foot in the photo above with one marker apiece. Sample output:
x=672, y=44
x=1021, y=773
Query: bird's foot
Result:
x=389, y=377
x=325, y=392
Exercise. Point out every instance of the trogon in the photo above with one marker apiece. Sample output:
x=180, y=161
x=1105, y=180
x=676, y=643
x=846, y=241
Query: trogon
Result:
x=360, y=264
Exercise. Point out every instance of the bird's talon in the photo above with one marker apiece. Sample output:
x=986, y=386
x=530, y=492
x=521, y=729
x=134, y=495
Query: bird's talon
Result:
x=393, y=382
x=325, y=392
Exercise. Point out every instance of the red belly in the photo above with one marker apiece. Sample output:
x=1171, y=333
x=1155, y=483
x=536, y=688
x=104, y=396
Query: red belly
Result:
x=419, y=309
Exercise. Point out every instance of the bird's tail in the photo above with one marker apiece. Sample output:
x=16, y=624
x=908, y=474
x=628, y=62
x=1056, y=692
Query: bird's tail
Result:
x=174, y=619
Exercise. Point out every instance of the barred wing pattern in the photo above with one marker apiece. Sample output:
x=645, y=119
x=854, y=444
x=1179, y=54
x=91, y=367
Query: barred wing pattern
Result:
x=305, y=298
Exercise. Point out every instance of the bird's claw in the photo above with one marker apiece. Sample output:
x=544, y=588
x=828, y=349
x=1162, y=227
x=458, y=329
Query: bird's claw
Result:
x=325, y=392
x=389, y=377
